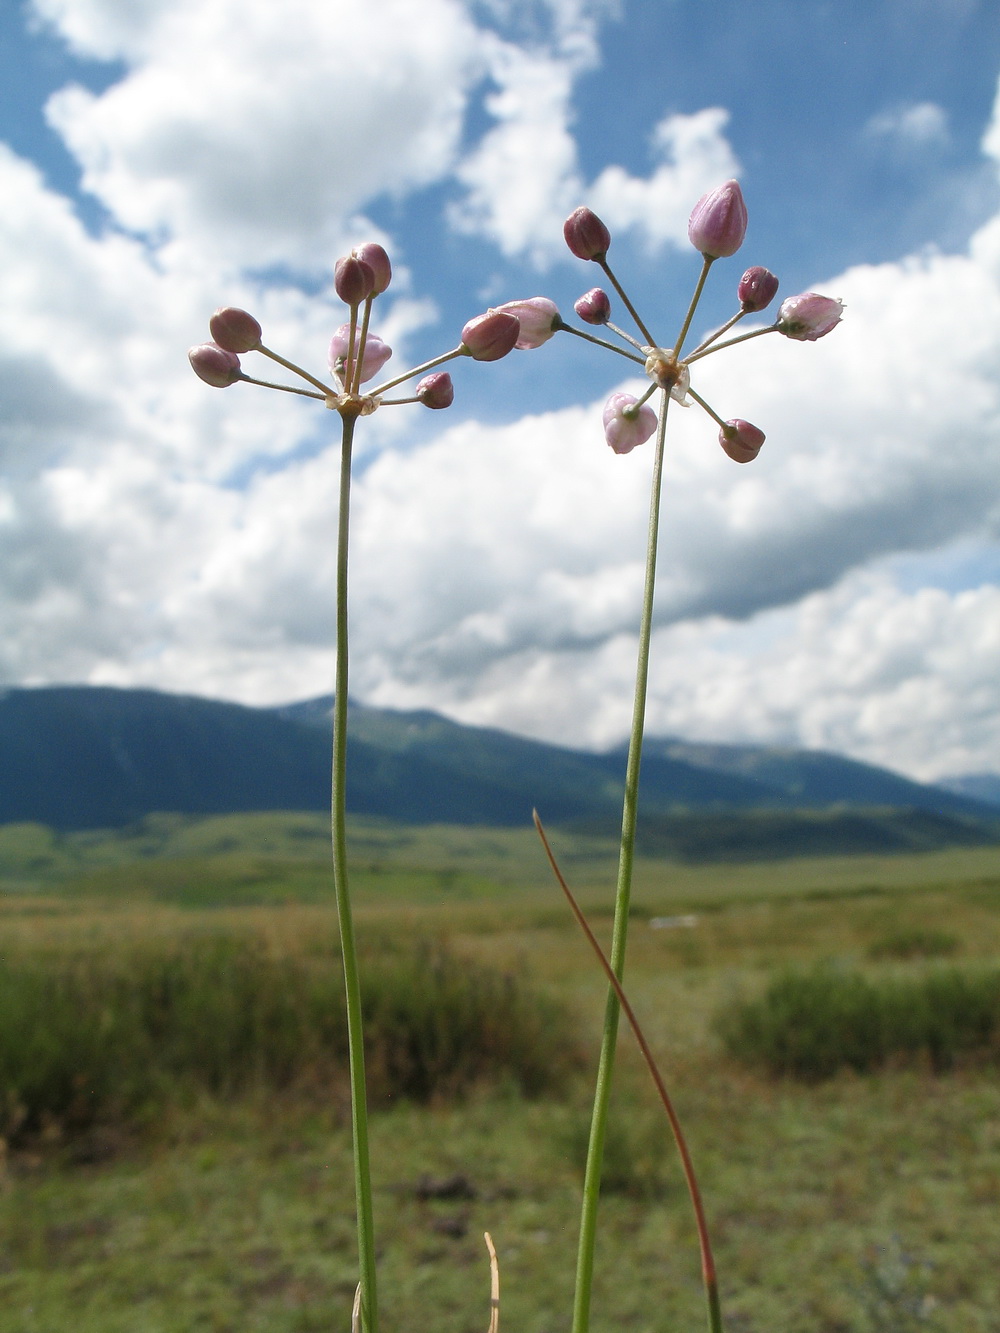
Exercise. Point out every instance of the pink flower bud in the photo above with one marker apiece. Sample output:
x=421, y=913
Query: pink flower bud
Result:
x=593, y=307
x=215, y=365
x=586, y=235
x=378, y=261
x=626, y=424
x=808, y=316
x=539, y=319
x=376, y=354
x=741, y=441
x=353, y=279
x=718, y=221
x=489, y=337
x=234, y=330
x=756, y=289
x=436, y=390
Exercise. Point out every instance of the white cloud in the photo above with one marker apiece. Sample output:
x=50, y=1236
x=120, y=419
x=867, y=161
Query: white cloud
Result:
x=253, y=133
x=496, y=569
x=918, y=125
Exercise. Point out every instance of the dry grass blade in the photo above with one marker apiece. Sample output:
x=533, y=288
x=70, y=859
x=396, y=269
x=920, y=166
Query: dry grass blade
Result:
x=707, y=1261
x=494, y=1285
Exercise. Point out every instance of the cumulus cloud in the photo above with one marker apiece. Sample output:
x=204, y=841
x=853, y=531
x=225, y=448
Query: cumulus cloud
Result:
x=918, y=125
x=156, y=531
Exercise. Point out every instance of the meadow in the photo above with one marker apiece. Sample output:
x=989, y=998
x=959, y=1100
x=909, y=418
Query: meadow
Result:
x=856, y=1199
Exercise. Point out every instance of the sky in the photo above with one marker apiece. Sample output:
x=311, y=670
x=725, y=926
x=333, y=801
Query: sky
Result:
x=165, y=157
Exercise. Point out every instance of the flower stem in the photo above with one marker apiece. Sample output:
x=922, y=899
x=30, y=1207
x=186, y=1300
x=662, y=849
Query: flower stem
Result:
x=417, y=370
x=601, y=342
x=297, y=370
x=735, y=319
x=602, y=1091
x=627, y=303
x=730, y=342
x=338, y=819
x=706, y=264
x=286, y=388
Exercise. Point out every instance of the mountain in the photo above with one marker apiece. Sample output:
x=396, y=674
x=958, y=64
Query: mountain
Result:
x=77, y=757
x=984, y=787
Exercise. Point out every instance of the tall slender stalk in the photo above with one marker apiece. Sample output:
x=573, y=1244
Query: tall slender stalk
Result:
x=602, y=1092
x=338, y=822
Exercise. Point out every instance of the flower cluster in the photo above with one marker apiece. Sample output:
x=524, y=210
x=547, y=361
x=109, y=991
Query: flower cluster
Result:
x=356, y=353
x=716, y=229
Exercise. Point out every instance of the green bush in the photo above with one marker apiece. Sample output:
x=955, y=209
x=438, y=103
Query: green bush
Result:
x=115, y=1034
x=914, y=942
x=811, y=1024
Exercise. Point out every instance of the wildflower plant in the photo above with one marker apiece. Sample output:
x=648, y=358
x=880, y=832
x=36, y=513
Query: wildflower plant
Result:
x=716, y=229
x=356, y=356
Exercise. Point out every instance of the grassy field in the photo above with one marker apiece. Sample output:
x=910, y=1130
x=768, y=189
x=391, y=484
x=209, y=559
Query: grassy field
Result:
x=855, y=1204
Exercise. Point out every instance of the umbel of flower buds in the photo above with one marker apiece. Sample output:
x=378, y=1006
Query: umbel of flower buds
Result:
x=718, y=221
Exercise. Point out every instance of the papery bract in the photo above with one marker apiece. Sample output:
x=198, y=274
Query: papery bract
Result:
x=718, y=221
x=376, y=354
x=538, y=317
x=626, y=424
x=741, y=440
x=436, y=390
x=234, y=330
x=215, y=365
x=586, y=235
x=594, y=307
x=756, y=289
x=808, y=316
x=489, y=337
x=372, y=254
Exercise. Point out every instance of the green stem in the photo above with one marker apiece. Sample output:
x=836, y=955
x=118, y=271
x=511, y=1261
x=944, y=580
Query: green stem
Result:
x=602, y=1091
x=730, y=342
x=650, y=340
x=601, y=342
x=338, y=817
x=706, y=263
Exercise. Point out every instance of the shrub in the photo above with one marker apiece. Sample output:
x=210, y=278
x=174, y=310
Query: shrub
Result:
x=809, y=1025
x=98, y=1036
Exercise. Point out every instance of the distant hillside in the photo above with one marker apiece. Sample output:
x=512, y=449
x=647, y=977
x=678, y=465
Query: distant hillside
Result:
x=79, y=757
x=984, y=787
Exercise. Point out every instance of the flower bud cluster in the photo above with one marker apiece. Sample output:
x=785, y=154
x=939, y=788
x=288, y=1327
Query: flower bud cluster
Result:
x=716, y=228
x=357, y=355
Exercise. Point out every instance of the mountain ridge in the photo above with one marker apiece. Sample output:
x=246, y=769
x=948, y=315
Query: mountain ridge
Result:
x=76, y=757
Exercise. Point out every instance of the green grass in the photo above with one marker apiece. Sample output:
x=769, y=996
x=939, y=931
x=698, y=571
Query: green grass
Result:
x=861, y=1204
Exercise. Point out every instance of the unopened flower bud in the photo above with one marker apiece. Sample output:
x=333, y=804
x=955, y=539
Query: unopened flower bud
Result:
x=718, y=221
x=436, y=390
x=377, y=260
x=376, y=354
x=234, y=330
x=539, y=319
x=353, y=279
x=756, y=289
x=489, y=337
x=808, y=316
x=741, y=441
x=215, y=365
x=586, y=235
x=626, y=424
x=593, y=307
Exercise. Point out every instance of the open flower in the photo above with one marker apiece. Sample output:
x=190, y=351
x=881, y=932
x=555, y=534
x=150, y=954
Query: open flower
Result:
x=377, y=353
x=626, y=423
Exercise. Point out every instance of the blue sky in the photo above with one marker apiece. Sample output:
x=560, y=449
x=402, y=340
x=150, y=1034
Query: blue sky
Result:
x=165, y=157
